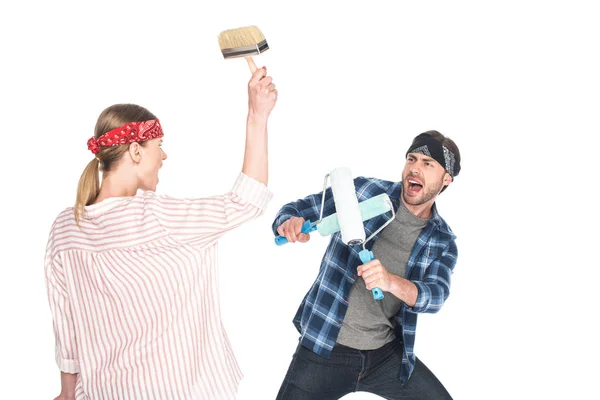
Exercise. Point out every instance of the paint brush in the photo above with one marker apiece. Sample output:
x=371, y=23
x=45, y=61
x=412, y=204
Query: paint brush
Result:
x=244, y=42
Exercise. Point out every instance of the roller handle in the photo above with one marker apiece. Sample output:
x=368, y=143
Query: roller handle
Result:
x=366, y=256
x=307, y=227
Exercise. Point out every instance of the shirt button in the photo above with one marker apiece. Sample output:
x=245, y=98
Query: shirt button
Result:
x=346, y=299
x=354, y=276
x=339, y=322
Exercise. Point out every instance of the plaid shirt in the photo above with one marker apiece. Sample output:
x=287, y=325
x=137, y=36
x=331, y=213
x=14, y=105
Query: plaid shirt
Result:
x=320, y=315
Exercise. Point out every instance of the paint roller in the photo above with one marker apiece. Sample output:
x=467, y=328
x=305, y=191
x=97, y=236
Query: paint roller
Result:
x=350, y=215
x=369, y=208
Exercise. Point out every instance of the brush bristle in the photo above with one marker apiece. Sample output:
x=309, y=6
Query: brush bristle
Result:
x=240, y=37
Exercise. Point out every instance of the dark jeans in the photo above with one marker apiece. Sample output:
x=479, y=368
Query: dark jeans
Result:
x=311, y=376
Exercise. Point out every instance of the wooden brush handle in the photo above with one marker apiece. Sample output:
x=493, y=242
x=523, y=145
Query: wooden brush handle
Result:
x=251, y=64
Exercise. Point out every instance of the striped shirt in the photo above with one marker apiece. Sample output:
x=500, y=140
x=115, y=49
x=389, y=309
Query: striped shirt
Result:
x=430, y=266
x=134, y=294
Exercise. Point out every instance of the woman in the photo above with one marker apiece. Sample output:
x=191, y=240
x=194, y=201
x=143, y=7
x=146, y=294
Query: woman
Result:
x=131, y=275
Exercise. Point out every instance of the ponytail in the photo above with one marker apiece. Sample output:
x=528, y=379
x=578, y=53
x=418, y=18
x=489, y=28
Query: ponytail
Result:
x=88, y=187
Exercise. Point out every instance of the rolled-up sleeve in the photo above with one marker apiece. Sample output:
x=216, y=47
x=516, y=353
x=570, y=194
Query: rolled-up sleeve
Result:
x=434, y=288
x=64, y=329
x=204, y=220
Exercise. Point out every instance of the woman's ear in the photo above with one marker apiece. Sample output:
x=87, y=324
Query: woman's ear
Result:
x=135, y=152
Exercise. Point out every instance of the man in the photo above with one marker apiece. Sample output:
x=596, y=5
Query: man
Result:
x=348, y=341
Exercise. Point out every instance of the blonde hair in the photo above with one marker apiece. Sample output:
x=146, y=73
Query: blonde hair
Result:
x=113, y=117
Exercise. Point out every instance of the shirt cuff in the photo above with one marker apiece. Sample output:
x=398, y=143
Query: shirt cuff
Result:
x=423, y=298
x=253, y=191
x=68, y=366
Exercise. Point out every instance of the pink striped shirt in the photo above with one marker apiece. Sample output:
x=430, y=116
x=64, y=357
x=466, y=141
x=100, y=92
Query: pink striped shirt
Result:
x=134, y=294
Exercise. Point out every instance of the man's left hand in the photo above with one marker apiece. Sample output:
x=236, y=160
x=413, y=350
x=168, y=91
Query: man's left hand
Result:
x=375, y=275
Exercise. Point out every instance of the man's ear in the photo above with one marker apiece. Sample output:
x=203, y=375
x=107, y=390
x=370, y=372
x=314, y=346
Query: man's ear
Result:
x=447, y=179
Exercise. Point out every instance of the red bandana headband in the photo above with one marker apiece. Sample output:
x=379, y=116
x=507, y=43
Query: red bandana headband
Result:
x=128, y=133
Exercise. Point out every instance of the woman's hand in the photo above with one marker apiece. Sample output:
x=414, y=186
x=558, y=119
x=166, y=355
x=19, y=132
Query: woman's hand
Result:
x=68, y=383
x=65, y=397
x=262, y=94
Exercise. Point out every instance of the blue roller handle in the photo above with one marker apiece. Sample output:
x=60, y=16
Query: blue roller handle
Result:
x=366, y=256
x=307, y=227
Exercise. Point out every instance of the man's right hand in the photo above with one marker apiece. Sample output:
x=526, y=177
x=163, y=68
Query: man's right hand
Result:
x=292, y=230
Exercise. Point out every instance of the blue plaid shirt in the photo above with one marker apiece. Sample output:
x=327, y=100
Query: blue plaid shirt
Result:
x=430, y=265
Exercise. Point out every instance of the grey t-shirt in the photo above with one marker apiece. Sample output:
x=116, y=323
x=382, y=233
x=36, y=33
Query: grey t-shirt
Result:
x=367, y=323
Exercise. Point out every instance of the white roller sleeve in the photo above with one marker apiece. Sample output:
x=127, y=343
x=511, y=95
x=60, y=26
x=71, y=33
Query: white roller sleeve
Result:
x=346, y=205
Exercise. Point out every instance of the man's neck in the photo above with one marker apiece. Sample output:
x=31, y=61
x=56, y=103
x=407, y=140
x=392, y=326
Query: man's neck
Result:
x=423, y=211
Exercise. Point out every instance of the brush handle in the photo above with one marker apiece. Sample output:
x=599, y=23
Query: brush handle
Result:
x=251, y=64
x=366, y=256
x=306, y=228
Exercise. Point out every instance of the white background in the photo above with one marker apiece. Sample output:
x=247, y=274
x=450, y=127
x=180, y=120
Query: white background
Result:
x=515, y=83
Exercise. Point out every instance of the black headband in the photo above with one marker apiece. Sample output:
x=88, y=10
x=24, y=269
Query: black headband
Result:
x=426, y=144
